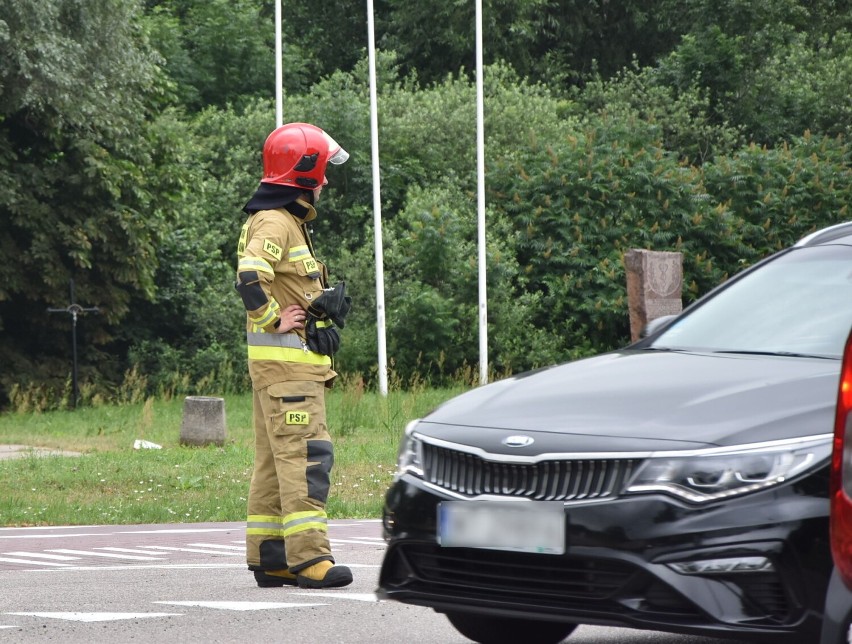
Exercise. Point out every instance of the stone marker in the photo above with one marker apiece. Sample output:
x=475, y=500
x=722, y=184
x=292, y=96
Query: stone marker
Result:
x=203, y=421
x=654, y=284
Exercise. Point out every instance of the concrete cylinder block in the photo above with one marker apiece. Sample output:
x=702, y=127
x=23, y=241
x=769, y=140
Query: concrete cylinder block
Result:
x=203, y=421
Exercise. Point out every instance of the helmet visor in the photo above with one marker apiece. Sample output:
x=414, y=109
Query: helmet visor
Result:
x=339, y=157
x=337, y=154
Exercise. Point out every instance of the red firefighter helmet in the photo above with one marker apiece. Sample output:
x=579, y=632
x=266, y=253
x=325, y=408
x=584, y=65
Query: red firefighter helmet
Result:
x=297, y=154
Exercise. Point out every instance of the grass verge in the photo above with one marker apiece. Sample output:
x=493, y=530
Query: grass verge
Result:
x=113, y=483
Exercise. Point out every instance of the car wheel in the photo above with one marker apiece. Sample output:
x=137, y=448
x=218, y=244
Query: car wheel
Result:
x=505, y=630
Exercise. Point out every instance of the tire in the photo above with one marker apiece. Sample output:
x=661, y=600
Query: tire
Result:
x=486, y=629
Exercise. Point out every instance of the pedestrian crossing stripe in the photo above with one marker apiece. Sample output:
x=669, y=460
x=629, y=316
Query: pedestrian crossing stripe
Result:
x=32, y=563
x=41, y=555
x=97, y=617
x=89, y=553
x=361, y=597
x=224, y=605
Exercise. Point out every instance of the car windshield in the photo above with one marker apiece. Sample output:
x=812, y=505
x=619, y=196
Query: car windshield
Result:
x=800, y=303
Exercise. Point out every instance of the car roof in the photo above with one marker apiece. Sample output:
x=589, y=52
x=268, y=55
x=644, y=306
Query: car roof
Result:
x=838, y=234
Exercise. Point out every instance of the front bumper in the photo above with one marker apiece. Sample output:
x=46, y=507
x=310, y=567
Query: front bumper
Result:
x=616, y=569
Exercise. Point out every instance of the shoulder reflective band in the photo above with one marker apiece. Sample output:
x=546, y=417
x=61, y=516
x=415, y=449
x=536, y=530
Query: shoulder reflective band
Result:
x=298, y=253
x=254, y=264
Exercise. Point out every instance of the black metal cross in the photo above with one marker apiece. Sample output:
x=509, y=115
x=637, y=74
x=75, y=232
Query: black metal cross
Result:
x=74, y=310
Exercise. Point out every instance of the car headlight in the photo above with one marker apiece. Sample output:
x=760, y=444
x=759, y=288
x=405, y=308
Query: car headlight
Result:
x=709, y=475
x=410, y=457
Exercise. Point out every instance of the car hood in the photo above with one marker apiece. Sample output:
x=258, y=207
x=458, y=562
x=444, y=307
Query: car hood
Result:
x=647, y=401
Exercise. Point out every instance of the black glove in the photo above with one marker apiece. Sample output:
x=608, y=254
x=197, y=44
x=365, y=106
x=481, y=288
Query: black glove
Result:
x=322, y=339
x=333, y=303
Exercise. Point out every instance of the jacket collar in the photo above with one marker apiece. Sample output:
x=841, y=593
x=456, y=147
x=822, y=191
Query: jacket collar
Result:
x=301, y=210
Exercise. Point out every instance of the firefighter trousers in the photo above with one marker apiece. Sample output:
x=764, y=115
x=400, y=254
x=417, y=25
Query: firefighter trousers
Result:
x=287, y=524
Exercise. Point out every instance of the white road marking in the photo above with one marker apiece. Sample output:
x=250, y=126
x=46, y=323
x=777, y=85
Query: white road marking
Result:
x=361, y=597
x=222, y=605
x=133, y=551
x=176, y=531
x=1, y=626
x=217, y=545
x=51, y=536
x=32, y=563
x=53, y=527
x=200, y=566
x=97, y=617
x=205, y=552
x=42, y=555
x=360, y=541
x=89, y=553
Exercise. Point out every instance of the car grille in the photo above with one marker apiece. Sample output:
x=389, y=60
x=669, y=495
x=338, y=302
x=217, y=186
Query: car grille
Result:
x=556, y=480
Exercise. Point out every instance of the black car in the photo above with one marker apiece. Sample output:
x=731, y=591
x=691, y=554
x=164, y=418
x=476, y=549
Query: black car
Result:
x=837, y=626
x=680, y=484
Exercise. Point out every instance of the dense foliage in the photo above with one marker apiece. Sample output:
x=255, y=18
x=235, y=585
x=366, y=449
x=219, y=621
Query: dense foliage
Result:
x=130, y=138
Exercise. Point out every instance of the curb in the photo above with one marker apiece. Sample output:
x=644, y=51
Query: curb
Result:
x=8, y=452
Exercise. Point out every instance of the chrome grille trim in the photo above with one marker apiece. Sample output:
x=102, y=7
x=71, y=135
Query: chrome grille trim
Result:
x=472, y=475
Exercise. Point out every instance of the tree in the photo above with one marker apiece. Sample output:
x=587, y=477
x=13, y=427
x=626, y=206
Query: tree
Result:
x=772, y=68
x=77, y=84
x=555, y=41
x=222, y=52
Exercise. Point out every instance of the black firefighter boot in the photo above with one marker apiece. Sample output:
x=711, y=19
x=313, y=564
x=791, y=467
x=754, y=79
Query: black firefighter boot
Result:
x=274, y=578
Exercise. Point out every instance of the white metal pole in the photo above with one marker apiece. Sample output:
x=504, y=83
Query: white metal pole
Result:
x=377, y=206
x=279, y=110
x=480, y=201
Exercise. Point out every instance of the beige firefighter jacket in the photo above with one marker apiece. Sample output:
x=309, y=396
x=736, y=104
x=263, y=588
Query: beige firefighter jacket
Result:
x=276, y=267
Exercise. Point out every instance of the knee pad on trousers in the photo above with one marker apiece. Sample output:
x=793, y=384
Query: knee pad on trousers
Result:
x=321, y=459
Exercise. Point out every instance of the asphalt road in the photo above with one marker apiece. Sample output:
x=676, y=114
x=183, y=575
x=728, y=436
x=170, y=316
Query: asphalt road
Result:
x=188, y=583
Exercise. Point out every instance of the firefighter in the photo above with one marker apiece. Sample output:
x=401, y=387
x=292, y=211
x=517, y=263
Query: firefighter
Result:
x=291, y=315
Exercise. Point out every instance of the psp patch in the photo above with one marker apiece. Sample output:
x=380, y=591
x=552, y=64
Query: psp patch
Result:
x=272, y=249
x=297, y=418
x=311, y=266
x=241, y=244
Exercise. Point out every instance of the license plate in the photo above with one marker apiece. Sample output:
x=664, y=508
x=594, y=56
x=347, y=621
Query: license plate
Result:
x=520, y=527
